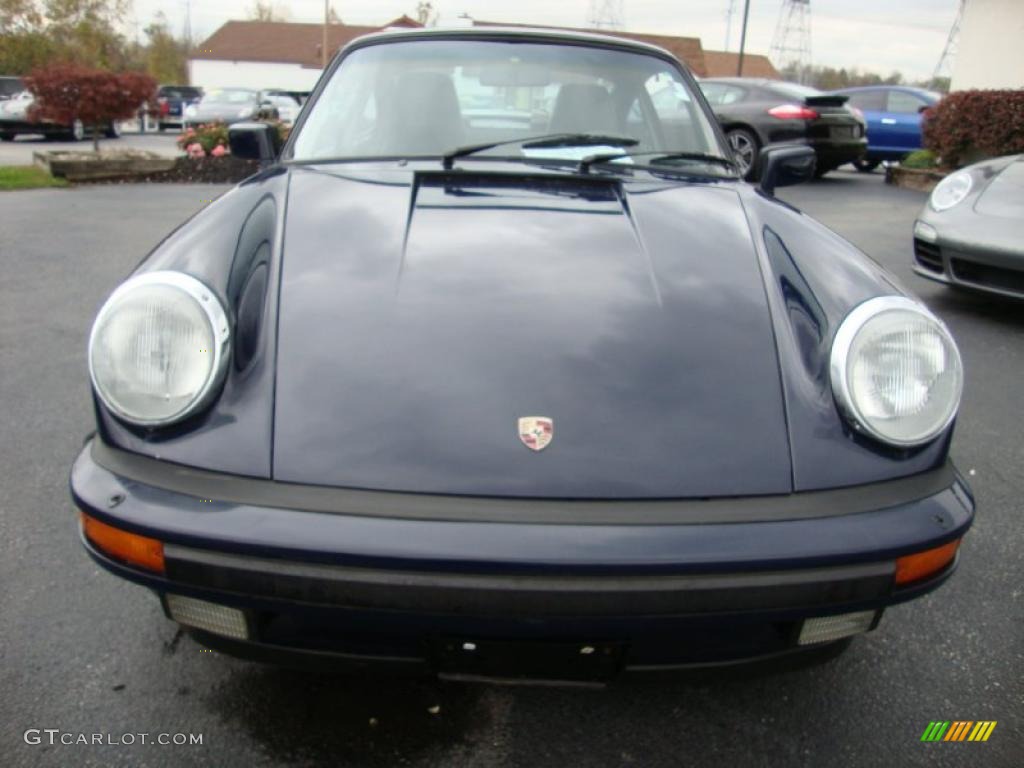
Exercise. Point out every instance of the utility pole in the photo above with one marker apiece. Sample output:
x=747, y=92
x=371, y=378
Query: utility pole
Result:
x=323, y=44
x=743, y=37
x=728, y=23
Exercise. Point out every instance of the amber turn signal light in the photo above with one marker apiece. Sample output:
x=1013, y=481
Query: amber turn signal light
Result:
x=921, y=564
x=133, y=549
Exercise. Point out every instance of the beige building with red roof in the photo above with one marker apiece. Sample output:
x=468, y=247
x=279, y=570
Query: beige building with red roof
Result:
x=287, y=56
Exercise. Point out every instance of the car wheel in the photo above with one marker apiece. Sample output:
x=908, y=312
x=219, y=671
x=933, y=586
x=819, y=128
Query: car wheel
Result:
x=77, y=132
x=866, y=166
x=745, y=149
x=113, y=131
x=7, y=136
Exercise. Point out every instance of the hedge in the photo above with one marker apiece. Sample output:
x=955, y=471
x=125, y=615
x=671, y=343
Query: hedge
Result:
x=968, y=126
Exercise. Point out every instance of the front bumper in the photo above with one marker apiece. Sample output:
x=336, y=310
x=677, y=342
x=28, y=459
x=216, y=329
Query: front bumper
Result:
x=976, y=266
x=414, y=589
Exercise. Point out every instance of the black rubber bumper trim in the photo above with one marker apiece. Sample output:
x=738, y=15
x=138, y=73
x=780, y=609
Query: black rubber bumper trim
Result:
x=260, y=492
x=528, y=595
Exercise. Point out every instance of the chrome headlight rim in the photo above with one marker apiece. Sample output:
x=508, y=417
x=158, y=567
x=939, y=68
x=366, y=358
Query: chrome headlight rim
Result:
x=219, y=324
x=950, y=180
x=839, y=367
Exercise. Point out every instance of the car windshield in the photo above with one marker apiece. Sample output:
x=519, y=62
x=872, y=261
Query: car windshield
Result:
x=431, y=97
x=229, y=96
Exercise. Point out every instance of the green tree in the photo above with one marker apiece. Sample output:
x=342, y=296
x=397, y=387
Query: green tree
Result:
x=35, y=32
x=165, y=55
x=266, y=10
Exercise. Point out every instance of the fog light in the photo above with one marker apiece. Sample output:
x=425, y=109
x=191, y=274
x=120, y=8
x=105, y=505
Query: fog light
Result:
x=827, y=628
x=925, y=231
x=217, y=619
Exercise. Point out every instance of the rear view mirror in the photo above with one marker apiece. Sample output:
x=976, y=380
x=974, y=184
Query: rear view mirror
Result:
x=252, y=141
x=514, y=75
x=783, y=165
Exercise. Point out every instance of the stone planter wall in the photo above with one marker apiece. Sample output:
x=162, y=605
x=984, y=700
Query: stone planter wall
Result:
x=921, y=179
x=90, y=166
x=126, y=167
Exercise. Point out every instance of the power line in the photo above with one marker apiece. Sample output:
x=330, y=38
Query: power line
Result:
x=606, y=14
x=791, y=45
x=945, y=64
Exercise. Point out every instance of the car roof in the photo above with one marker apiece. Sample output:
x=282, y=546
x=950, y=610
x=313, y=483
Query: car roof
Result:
x=744, y=80
x=879, y=87
x=521, y=34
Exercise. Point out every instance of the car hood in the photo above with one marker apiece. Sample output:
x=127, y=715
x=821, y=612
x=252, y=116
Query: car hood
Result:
x=220, y=111
x=422, y=316
x=1004, y=194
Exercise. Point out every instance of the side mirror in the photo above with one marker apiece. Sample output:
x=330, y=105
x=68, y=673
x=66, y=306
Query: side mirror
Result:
x=252, y=141
x=783, y=165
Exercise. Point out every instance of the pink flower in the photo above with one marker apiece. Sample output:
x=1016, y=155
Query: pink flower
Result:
x=219, y=151
x=195, y=150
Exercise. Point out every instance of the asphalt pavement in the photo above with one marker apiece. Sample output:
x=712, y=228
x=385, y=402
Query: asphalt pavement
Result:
x=19, y=151
x=86, y=653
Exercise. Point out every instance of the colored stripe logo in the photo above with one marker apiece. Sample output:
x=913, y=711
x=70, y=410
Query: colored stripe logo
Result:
x=958, y=730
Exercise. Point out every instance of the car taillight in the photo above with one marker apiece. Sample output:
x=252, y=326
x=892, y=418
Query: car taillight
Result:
x=792, y=112
x=859, y=115
x=164, y=106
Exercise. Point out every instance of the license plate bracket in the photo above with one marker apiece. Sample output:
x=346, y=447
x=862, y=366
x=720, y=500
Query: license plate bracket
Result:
x=528, y=660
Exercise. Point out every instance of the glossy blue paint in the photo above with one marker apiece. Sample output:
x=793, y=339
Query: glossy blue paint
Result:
x=469, y=300
x=223, y=245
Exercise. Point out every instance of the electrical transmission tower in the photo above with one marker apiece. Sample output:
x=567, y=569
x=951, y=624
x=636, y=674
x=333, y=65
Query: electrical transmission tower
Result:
x=945, y=65
x=791, y=46
x=728, y=22
x=606, y=14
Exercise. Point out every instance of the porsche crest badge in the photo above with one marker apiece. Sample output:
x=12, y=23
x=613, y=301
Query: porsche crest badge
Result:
x=536, y=432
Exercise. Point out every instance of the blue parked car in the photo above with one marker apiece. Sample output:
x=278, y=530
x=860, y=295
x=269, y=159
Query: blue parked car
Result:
x=893, y=114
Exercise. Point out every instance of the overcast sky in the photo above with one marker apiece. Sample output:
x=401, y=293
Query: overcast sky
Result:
x=876, y=35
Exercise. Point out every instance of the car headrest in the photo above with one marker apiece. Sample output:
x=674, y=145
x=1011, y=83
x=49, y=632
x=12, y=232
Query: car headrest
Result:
x=425, y=118
x=583, y=108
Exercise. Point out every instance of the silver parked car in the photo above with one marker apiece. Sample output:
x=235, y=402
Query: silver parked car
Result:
x=15, y=117
x=970, y=233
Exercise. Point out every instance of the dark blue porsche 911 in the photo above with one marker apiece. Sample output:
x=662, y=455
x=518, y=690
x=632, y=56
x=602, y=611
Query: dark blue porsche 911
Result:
x=497, y=369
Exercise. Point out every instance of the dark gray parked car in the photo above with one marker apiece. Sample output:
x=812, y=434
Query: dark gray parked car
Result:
x=229, y=105
x=755, y=112
x=970, y=233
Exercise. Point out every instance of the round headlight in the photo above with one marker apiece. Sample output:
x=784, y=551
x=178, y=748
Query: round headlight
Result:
x=950, y=191
x=896, y=372
x=159, y=348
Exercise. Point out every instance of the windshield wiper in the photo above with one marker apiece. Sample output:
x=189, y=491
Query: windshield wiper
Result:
x=546, y=141
x=657, y=158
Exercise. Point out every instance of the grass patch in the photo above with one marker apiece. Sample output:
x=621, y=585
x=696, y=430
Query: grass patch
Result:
x=27, y=177
x=923, y=158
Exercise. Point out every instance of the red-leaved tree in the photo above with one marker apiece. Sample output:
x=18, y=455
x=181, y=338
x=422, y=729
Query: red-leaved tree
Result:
x=68, y=92
x=967, y=126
